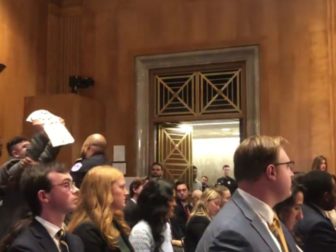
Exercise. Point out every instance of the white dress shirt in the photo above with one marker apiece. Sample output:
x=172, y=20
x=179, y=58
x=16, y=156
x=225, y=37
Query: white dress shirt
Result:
x=264, y=211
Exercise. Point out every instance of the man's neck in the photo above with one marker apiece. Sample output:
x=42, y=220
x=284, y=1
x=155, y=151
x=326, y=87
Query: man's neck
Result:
x=257, y=190
x=54, y=218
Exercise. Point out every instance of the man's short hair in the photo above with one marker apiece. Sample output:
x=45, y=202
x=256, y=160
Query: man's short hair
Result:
x=135, y=184
x=156, y=163
x=316, y=184
x=34, y=179
x=254, y=154
x=14, y=141
x=177, y=183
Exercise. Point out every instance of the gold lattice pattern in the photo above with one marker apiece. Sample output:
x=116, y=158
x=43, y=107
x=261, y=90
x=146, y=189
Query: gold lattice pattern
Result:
x=198, y=93
x=175, y=153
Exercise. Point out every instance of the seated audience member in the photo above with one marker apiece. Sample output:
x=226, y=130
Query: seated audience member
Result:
x=135, y=189
x=51, y=194
x=195, y=196
x=23, y=153
x=320, y=163
x=156, y=204
x=226, y=180
x=92, y=154
x=156, y=171
x=315, y=230
x=205, y=182
x=196, y=184
x=289, y=211
x=224, y=193
x=182, y=210
x=200, y=217
x=98, y=219
x=247, y=222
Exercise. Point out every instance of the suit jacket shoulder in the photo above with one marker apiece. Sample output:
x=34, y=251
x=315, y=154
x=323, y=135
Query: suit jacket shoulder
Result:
x=35, y=238
x=194, y=230
x=316, y=230
x=93, y=239
x=237, y=228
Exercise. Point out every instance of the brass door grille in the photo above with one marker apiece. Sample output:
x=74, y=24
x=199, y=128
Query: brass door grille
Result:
x=175, y=153
x=199, y=93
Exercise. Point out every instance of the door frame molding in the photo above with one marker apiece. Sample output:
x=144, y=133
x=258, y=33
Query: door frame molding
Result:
x=248, y=54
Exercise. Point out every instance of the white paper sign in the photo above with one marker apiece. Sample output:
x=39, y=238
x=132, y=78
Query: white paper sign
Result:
x=53, y=126
x=119, y=153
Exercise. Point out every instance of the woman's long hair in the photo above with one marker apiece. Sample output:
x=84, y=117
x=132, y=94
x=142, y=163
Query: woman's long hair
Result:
x=153, y=207
x=95, y=203
x=317, y=162
x=201, y=207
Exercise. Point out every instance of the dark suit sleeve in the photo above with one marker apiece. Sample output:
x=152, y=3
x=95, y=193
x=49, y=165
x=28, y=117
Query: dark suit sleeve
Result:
x=41, y=149
x=20, y=248
x=320, y=238
x=194, y=231
x=91, y=238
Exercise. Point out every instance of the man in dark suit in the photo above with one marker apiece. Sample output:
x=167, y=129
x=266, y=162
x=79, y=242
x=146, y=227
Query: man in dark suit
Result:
x=315, y=229
x=181, y=211
x=50, y=194
x=130, y=209
x=92, y=154
x=247, y=222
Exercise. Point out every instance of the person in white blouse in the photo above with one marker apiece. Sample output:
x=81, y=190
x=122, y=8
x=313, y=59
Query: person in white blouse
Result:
x=152, y=232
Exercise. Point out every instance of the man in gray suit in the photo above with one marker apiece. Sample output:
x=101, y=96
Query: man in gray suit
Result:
x=263, y=172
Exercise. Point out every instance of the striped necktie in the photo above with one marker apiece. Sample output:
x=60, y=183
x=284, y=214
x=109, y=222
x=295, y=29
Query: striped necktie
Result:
x=60, y=235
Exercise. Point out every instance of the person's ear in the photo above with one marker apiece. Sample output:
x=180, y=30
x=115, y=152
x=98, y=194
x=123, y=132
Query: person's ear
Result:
x=271, y=172
x=43, y=196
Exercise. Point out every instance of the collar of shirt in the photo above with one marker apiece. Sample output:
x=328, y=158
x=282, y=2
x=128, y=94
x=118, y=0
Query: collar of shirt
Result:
x=52, y=229
x=264, y=211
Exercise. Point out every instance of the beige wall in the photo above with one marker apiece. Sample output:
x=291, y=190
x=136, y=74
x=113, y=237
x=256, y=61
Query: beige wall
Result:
x=297, y=58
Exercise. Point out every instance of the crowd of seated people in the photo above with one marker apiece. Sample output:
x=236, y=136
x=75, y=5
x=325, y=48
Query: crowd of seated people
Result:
x=261, y=210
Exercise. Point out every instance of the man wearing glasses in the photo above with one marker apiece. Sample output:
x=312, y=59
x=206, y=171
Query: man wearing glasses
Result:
x=263, y=172
x=51, y=195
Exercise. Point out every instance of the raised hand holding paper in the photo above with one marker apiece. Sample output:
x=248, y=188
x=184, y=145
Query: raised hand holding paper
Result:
x=53, y=126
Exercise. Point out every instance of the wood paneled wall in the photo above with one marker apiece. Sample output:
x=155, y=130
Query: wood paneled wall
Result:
x=297, y=59
x=23, y=34
x=296, y=40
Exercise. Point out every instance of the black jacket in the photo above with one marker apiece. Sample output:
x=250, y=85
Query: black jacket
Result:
x=83, y=165
x=35, y=238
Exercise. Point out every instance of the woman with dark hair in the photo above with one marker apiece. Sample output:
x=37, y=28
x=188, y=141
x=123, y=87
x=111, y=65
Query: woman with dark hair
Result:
x=320, y=163
x=290, y=210
x=155, y=206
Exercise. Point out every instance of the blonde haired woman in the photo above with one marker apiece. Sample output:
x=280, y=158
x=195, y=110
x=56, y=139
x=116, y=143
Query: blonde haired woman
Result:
x=205, y=209
x=99, y=220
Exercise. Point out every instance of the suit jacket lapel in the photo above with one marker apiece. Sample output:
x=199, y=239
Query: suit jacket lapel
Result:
x=289, y=239
x=255, y=220
x=43, y=237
